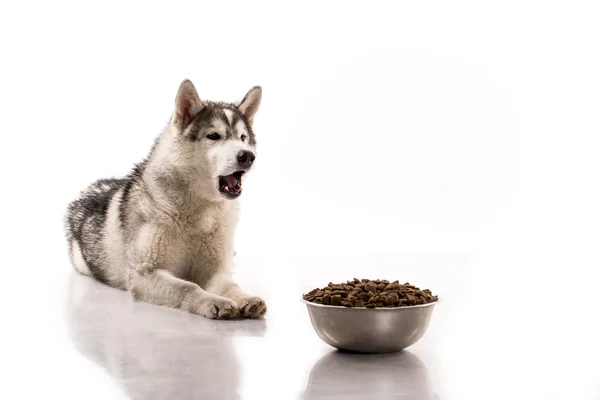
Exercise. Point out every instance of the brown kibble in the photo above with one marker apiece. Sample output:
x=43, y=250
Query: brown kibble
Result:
x=371, y=294
x=391, y=299
x=336, y=300
x=371, y=287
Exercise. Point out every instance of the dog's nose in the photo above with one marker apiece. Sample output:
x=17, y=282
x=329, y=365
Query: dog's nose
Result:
x=246, y=158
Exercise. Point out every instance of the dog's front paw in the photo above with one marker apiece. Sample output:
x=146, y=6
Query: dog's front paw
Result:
x=252, y=307
x=220, y=308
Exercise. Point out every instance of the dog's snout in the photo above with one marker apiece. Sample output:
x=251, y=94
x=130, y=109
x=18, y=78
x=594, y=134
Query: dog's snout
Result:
x=246, y=158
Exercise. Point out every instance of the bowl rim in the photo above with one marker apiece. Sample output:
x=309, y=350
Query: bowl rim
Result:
x=310, y=303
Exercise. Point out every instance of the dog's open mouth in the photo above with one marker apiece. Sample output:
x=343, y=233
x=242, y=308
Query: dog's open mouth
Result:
x=231, y=185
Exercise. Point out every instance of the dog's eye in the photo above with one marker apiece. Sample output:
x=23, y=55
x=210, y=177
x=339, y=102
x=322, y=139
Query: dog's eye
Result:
x=214, y=136
x=243, y=137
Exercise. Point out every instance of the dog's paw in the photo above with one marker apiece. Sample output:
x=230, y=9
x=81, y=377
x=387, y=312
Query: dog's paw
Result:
x=252, y=307
x=220, y=308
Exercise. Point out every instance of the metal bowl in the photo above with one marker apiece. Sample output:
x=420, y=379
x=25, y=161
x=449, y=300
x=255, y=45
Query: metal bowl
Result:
x=370, y=330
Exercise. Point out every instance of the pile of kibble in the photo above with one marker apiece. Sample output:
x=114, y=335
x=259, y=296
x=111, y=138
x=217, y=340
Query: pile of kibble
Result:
x=371, y=294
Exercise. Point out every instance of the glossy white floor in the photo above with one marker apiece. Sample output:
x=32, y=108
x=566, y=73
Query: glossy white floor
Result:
x=71, y=337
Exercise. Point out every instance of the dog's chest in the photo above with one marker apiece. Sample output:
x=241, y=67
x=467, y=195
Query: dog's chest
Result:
x=208, y=221
x=208, y=239
x=209, y=230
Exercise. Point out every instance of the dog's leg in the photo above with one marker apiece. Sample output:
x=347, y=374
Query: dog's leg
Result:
x=151, y=284
x=249, y=306
x=160, y=287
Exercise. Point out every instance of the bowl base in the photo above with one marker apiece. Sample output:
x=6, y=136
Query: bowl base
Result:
x=350, y=351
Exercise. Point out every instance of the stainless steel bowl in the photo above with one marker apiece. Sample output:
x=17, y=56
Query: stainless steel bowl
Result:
x=370, y=330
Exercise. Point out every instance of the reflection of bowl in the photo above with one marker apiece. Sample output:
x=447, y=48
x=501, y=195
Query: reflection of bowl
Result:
x=370, y=330
x=398, y=376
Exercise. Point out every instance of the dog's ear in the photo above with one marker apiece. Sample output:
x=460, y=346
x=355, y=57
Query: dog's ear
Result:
x=187, y=104
x=250, y=103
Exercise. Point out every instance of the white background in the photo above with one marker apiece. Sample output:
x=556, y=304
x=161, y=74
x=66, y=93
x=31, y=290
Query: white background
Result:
x=450, y=144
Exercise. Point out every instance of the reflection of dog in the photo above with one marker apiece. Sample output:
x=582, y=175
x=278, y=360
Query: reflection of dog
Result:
x=368, y=376
x=155, y=354
x=165, y=232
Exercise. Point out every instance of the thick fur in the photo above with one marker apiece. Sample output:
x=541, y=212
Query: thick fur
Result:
x=165, y=231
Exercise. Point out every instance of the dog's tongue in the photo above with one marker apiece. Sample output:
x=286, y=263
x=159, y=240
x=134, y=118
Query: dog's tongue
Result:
x=231, y=181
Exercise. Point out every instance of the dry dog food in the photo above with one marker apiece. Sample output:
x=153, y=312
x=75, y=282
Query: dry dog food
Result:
x=371, y=294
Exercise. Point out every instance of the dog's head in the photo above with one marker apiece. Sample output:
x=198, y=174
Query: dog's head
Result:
x=215, y=139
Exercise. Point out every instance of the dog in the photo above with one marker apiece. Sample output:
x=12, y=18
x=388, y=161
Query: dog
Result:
x=165, y=231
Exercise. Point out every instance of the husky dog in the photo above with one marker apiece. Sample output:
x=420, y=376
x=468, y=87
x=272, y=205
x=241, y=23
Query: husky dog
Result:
x=165, y=232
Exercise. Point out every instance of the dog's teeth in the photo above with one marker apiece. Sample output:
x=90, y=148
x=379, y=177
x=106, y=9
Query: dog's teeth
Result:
x=226, y=188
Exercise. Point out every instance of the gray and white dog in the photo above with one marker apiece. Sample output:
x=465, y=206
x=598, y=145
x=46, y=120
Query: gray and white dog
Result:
x=165, y=232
